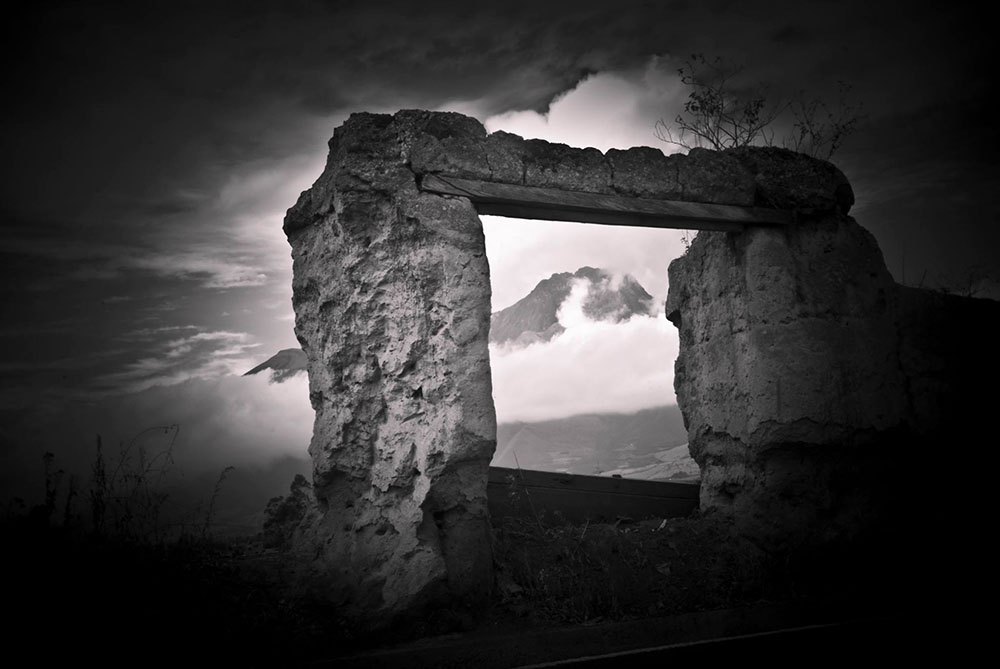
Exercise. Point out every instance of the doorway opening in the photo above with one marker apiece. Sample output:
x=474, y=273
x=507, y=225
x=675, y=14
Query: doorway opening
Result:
x=581, y=353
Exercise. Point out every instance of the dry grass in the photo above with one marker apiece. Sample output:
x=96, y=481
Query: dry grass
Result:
x=580, y=573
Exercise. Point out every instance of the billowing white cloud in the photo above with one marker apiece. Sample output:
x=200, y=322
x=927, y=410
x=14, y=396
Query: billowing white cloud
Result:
x=592, y=367
x=228, y=420
x=607, y=110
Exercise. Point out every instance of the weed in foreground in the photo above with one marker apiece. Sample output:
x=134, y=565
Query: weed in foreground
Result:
x=625, y=569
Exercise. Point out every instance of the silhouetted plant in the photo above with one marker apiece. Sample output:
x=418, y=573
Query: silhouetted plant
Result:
x=974, y=282
x=131, y=495
x=211, y=502
x=68, y=505
x=716, y=114
x=126, y=495
x=98, y=490
x=52, y=481
x=820, y=128
x=723, y=112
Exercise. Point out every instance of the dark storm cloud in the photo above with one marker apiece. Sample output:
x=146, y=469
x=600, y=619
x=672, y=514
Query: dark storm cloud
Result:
x=139, y=103
x=85, y=315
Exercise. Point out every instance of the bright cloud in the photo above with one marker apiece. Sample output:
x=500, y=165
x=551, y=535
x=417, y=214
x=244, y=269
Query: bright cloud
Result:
x=592, y=367
x=606, y=110
x=523, y=252
x=230, y=419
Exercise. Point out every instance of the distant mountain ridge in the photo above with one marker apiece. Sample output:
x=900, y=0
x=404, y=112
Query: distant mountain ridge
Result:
x=651, y=443
x=284, y=364
x=535, y=317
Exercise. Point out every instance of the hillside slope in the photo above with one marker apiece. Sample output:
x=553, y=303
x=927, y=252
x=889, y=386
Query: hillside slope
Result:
x=597, y=443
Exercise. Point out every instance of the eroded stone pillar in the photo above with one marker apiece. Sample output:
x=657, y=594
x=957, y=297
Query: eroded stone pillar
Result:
x=788, y=374
x=391, y=292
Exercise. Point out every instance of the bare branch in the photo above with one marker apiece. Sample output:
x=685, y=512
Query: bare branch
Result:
x=719, y=116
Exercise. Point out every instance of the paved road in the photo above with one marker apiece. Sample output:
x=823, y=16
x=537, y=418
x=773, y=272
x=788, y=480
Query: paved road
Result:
x=871, y=643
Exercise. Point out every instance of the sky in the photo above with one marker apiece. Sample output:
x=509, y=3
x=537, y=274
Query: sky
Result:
x=152, y=149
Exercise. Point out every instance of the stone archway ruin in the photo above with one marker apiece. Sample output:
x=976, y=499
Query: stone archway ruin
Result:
x=803, y=366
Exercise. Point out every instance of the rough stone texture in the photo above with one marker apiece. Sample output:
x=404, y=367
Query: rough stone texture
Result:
x=449, y=144
x=643, y=171
x=392, y=300
x=284, y=516
x=815, y=390
x=560, y=166
x=715, y=177
x=505, y=154
x=793, y=181
x=779, y=334
x=445, y=143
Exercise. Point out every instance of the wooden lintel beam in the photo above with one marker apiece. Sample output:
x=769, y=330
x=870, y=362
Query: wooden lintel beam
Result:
x=553, y=204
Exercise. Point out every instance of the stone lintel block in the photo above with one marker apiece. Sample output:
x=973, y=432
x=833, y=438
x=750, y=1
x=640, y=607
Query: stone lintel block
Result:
x=444, y=143
x=713, y=177
x=551, y=165
x=794, y=181
x=643, y=171
x=506, y=153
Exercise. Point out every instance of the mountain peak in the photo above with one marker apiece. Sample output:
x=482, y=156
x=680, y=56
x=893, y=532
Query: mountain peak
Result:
x=284, y=364
x=535, y=317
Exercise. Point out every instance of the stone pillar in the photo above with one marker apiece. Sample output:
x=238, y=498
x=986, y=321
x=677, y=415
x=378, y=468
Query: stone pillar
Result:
x=789, y=376
x=391, y=292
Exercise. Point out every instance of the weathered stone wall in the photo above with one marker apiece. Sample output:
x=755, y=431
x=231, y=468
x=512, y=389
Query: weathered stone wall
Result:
x=457, y=146
x=815, y=390
x=392, y=301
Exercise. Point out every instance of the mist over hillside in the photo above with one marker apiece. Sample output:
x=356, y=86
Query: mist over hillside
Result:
x=649, y=444
x=587, y=342
x=587, y=349
x=536, y=317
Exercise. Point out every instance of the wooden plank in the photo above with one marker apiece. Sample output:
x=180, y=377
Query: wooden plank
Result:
x=554, y=204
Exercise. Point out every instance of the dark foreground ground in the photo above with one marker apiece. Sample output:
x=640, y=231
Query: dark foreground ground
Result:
x=683, y=587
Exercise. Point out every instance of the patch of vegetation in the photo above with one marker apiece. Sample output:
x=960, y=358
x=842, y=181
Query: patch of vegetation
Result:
x=127, y=584
x=127, y=597
x=552, y=571
x=133, y=603
x=595, y=572
x=725, y=110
